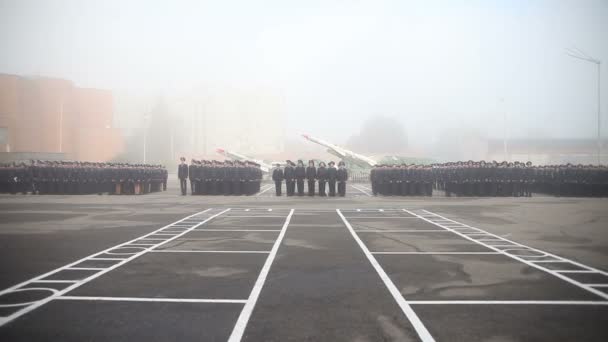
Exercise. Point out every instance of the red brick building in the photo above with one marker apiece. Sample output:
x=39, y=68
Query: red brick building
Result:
x=51, y=115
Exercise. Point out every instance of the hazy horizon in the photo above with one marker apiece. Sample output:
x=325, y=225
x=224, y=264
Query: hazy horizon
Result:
x=433, y=65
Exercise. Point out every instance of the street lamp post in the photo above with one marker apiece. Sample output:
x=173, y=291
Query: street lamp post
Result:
x=576, y=53
x=146, y=116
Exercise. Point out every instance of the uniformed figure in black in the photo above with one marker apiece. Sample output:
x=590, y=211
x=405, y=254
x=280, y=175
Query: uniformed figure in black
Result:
x=182, y=174
x=311, y=175
x=322, y=177
x=300, y=175
x=342, y=177
x=277, y=177
x=289, y=174
x=332, y=174
x=228, y=175
x=191, y=174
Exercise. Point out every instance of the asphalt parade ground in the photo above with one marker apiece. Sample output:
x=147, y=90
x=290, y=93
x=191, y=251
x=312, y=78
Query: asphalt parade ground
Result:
x=164, y=267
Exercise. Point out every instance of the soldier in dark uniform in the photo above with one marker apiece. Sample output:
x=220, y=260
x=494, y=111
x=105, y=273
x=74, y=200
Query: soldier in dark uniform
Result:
x=332, y=174
x=182, y=174
x=342, y=177
x=322, y=177
x=277, y=177
x=237, y=178
x=227, y=175
x=192, y=174
x=300, y=173
x=289, y=174
x=311, y=175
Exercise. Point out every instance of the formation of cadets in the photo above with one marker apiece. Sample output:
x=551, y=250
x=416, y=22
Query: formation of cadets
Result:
x=79, y=178
x=219, y=178
x=296, y=175
x=490, y=179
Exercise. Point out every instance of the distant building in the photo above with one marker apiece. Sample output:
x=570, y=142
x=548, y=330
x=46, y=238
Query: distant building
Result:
x=50, y=115
x=547, y=151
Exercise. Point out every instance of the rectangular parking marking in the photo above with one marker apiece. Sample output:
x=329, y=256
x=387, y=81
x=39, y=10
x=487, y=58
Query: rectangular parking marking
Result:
x=138, y=299
x=421, y=330
x=241, y=323
x=195, y=251
x=135, y=252
x=514, y=250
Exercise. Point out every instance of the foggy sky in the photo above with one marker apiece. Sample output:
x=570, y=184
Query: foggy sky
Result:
x=432, y=64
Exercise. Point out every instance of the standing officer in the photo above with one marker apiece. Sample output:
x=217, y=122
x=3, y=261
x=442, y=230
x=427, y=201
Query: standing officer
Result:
x=192, y=177
x=331, y=178
x=322, y=177
x=277, y=177
x=311, y=174
x=342, y=176
x=182, y=174
x=289, y=174
x=300, y=175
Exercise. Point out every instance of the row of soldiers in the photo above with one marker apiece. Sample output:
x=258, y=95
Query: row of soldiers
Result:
x=212, y=177
x=490, y=179
x=79, y=178
x=294, y=176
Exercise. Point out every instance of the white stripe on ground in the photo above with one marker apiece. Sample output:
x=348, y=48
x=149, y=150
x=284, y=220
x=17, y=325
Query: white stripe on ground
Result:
x=521, y=247
x=507, y=302
x=241, y=323
x=162, y=300
x=80, y=282
x=265, y=189
x=423, y=333
x=197, y=251
x=361, y=190
x=438, y=253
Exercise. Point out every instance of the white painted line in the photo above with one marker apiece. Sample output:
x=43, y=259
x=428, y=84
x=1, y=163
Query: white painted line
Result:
x=507, y=302
x=545, y=261
x=521, y=247
x=256, y=216
x=263, y=191
x=124, y=245
x=361, y=190
x=241, y=323
x=402, y=231
x=439, y=253
x=197, y=251
x=54, y=281
x=380, y=217
x=156, y=300
x=237, y=230
x=423, y=333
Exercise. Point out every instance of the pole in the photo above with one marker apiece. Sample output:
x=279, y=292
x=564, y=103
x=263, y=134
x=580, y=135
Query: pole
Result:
x=61, y=126
x=599, y=117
